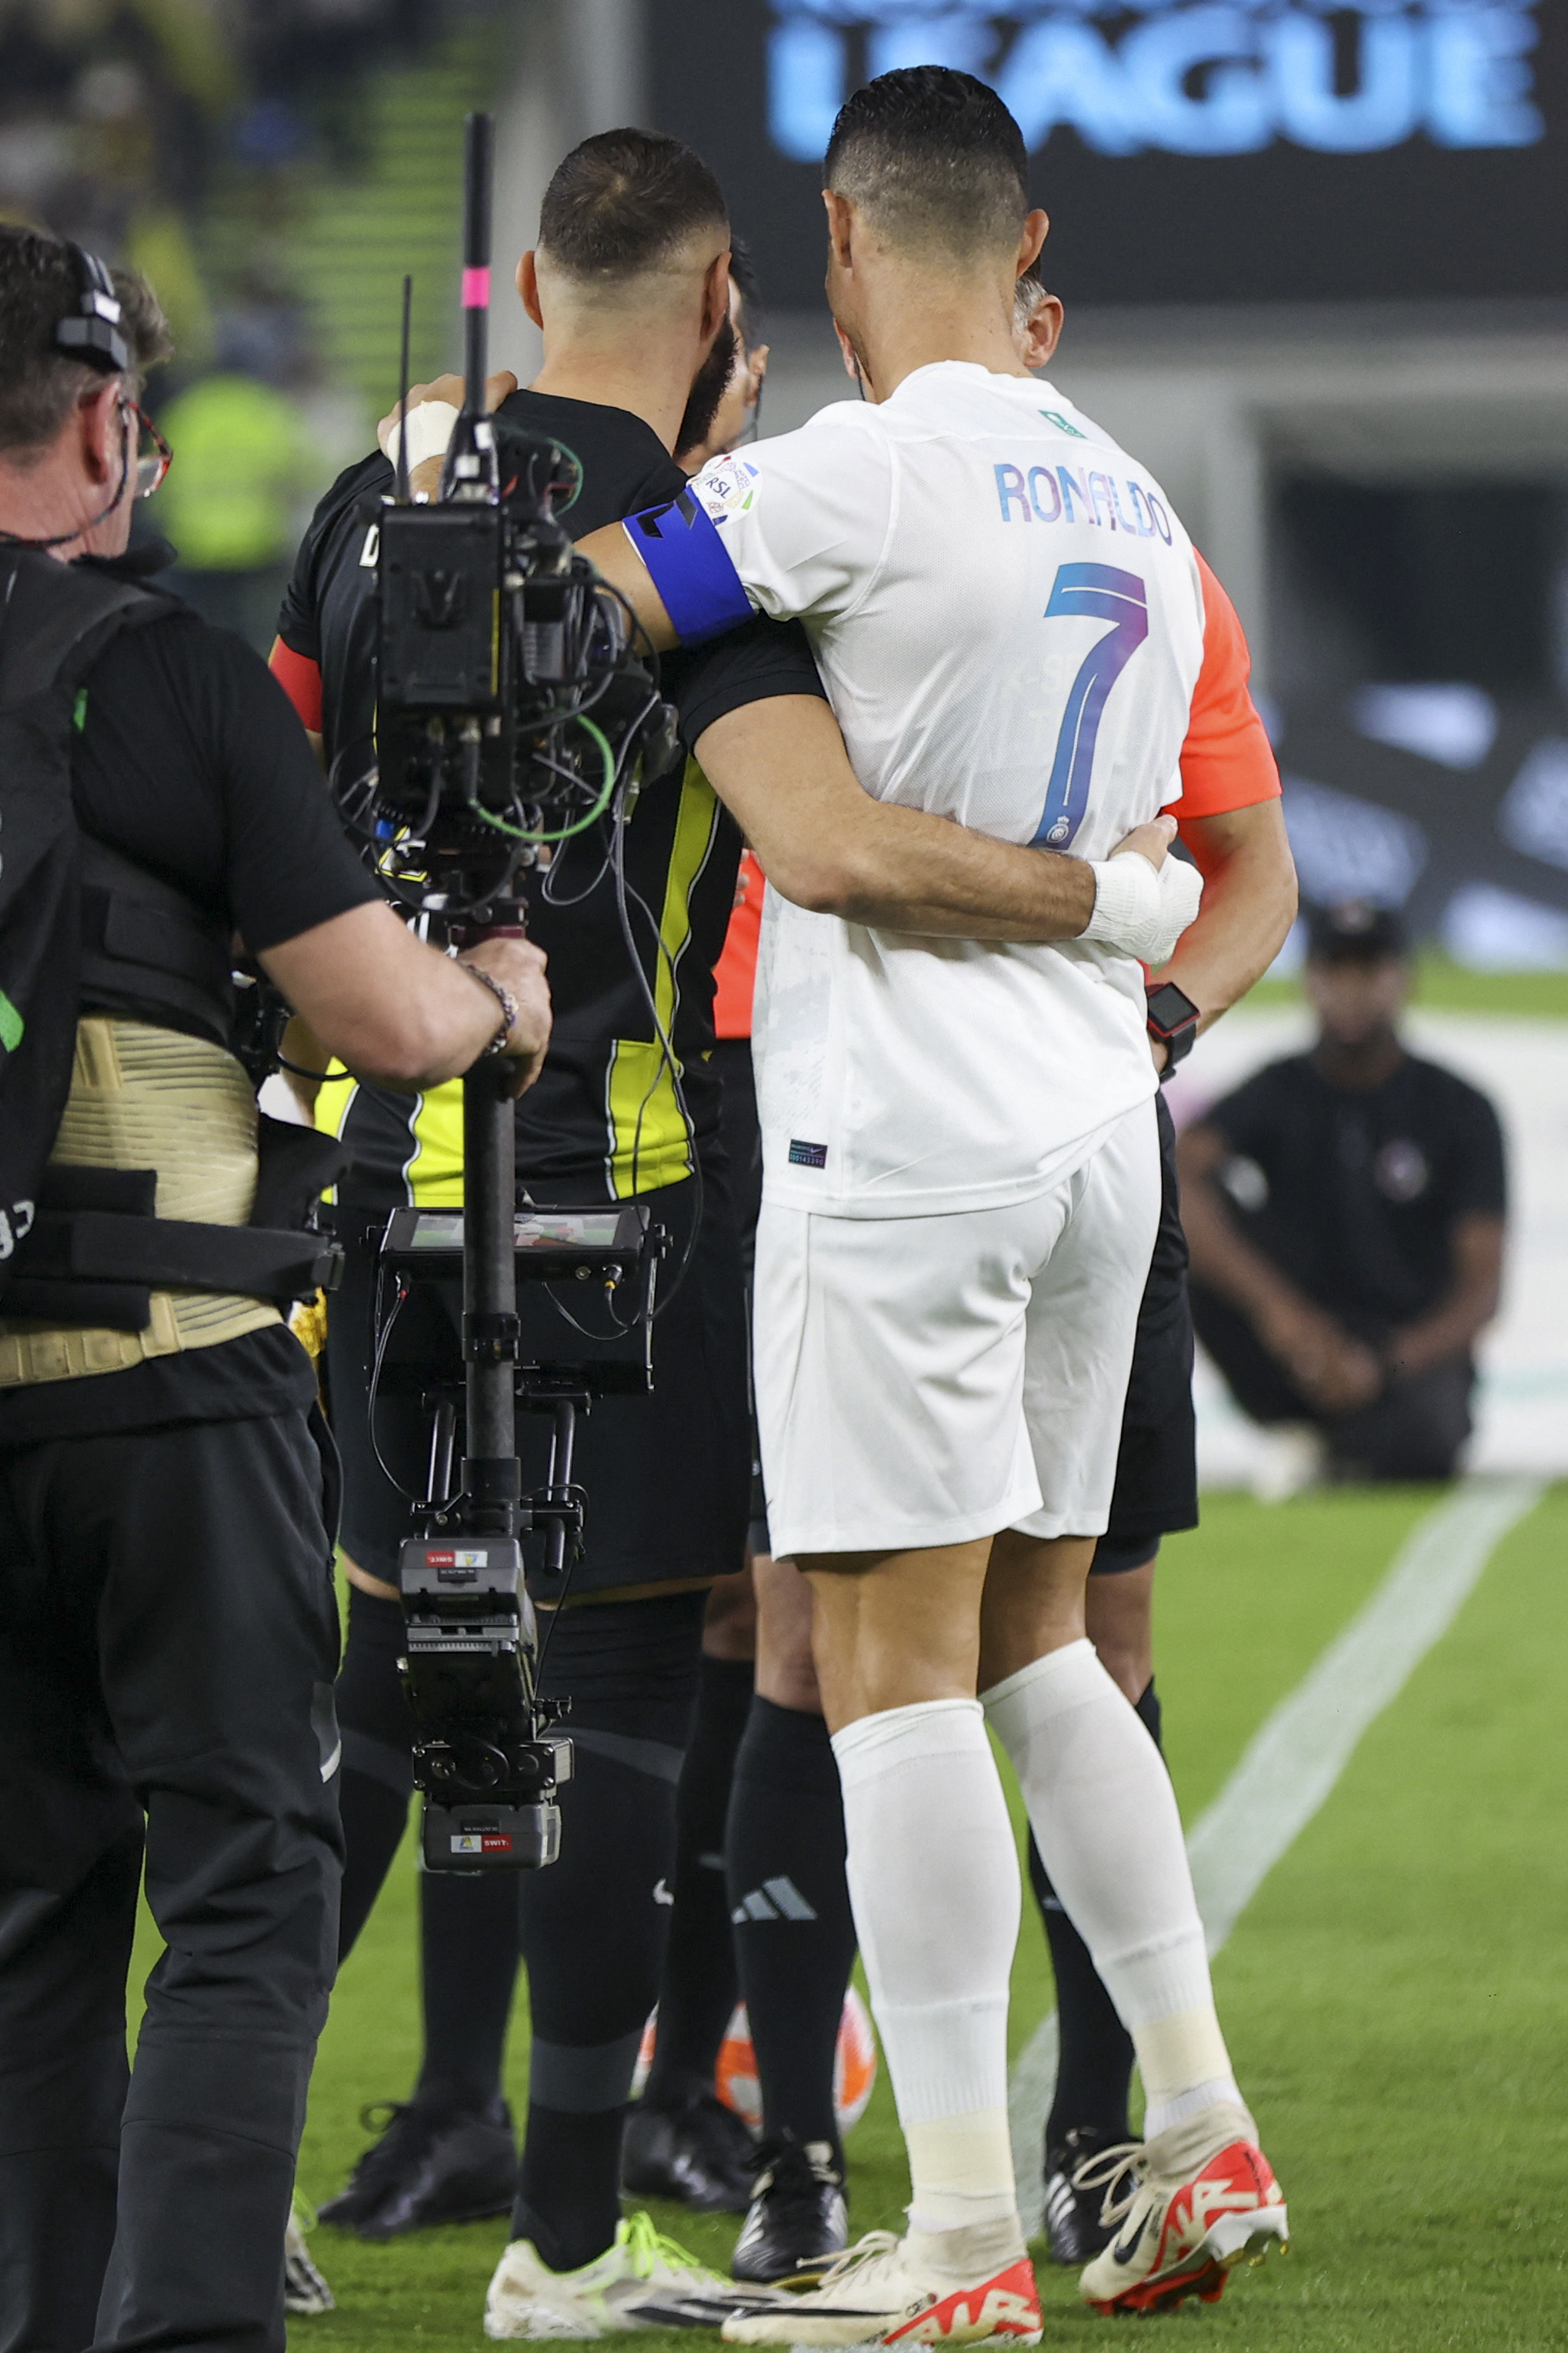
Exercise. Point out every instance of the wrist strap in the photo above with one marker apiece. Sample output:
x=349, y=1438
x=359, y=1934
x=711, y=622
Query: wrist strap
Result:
x=429, y=429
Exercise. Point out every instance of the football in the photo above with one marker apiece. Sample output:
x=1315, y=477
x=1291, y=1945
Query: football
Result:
x=735, y=2077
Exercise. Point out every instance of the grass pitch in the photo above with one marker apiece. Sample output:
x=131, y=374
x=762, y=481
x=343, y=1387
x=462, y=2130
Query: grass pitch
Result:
x=1393, y=1995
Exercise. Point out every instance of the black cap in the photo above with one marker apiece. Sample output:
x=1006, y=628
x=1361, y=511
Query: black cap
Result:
x=1354, y=932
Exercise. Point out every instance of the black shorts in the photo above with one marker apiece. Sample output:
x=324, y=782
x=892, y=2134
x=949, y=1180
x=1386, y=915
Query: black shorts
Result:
x=1156, y=1491
x=667, y=1476
x=742, y=1131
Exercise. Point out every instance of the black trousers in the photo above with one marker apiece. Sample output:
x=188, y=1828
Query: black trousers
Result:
x=1414, y=1430
x=168, y=1638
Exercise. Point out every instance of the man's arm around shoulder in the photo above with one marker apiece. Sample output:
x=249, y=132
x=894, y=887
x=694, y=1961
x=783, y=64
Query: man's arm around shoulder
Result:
x=782, y=769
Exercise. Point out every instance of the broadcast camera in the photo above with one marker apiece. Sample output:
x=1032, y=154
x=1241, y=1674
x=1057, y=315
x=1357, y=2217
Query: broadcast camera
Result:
x=512, y=713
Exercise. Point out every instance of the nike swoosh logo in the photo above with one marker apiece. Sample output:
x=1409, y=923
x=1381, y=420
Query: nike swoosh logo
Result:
x=1125, y=2249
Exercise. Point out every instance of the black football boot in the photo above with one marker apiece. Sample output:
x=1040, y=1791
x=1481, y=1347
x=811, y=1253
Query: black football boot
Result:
x=432, y=2164
x=1074, y=2231
x=798, y=2224
x=694, y=2150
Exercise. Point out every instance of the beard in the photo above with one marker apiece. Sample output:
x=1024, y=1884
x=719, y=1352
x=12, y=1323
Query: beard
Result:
x=708, y=387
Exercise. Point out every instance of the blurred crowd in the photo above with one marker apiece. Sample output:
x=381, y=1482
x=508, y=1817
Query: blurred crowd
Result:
x=190, y=143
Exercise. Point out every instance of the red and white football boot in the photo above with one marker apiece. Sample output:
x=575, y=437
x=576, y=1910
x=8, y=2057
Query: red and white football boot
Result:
x=1200, y=2198
x=878, y=2291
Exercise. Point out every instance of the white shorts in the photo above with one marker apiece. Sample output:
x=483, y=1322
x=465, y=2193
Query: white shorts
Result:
x=929, y=1380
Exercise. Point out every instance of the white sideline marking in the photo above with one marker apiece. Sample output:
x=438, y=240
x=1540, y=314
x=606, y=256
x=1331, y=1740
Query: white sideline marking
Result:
x=1290, y=1766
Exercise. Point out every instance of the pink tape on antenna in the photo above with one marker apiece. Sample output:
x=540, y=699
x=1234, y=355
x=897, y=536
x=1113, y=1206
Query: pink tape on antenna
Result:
x=475, y=289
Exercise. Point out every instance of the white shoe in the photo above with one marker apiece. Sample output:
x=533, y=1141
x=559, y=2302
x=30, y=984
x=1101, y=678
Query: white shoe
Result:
x=1289, y=1460
x=644, y=2281
x=304, y=2289
x=1198, y=2200
x=875, y=2293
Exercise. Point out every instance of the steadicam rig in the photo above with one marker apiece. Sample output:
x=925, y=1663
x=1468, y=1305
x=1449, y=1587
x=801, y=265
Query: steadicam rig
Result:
x=512, y=715
x=511, y=711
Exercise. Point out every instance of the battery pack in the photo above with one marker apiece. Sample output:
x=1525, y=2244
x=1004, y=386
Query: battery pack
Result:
x=477, y=1838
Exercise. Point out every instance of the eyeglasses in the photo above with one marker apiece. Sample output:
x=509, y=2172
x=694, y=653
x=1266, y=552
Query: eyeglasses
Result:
x=151, y=465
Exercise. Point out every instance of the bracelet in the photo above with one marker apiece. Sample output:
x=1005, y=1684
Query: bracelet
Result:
x=509, y=1005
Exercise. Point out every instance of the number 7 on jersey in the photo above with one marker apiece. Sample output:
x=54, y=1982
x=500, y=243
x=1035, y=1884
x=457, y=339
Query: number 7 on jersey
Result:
x=1104, y=594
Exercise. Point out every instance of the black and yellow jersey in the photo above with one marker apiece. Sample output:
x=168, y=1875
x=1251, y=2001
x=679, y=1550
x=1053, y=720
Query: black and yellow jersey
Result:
x=604, y=1119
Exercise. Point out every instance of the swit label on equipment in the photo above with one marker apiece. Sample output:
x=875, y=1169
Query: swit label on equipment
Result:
x=455, y=1567
x=806, y=1155
x=482, y=1841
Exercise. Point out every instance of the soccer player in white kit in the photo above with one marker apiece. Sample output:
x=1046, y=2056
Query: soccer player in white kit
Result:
x=960, y=1191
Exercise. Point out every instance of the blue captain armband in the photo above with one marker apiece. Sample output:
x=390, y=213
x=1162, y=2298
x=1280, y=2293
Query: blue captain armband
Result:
x=691, y=567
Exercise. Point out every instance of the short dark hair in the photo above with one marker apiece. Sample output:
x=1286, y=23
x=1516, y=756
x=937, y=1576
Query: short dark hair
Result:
x=1355, y=932
x=748, y=286
x=41, y=284
x=934, y=158
x=626, y=201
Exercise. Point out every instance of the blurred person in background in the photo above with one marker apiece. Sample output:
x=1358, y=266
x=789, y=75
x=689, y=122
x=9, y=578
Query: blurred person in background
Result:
x=1345, y=1209
x=231, y=506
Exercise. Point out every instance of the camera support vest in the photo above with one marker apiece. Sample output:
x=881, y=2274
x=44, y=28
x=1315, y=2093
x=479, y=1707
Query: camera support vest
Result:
x=145, y=1205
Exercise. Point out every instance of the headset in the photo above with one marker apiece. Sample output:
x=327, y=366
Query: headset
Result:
x=90, y=334
x=91, y=331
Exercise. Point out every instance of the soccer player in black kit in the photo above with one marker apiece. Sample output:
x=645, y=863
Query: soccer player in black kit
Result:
x=667, y=1476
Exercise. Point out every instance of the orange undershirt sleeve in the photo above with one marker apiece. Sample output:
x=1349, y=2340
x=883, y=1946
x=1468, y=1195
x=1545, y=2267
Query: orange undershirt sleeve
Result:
x=1227, y=762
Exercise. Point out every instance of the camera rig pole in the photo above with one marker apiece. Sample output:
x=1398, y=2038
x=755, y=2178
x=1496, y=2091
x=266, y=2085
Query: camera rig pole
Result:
x=489, y=1778
x=492, y=1473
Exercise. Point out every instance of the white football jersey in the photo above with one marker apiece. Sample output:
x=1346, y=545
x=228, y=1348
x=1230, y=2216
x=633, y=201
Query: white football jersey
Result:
x=1009, y=622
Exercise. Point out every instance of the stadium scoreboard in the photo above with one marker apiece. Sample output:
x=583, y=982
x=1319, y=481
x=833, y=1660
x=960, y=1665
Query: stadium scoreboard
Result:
x=1188, y=151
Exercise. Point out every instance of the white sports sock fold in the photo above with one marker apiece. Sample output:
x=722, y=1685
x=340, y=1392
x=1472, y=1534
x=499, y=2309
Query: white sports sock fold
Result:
x=933, y=1880
x=1105, y=1819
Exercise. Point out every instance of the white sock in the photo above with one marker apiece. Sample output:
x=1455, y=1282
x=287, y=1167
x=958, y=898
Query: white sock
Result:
x=933, y=1880
x=1105, y=1819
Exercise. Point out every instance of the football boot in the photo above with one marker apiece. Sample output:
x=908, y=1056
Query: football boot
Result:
x=694, y=2150
x=798, y=2224
x=1185, y=2208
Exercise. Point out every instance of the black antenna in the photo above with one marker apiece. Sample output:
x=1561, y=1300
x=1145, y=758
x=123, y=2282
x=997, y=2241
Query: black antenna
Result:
x=471, y=471
x=478, y=140
x=402, y=470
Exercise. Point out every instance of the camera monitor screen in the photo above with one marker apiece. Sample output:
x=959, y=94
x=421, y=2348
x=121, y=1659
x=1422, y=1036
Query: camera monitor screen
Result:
x=1188, y=151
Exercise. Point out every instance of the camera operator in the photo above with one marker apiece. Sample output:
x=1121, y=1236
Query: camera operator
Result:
x=166, y=1564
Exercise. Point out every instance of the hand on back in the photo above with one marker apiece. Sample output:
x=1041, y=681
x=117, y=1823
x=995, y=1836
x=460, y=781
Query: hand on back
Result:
x=449, y=388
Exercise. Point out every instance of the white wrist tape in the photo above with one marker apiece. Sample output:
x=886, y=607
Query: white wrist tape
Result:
x=429, y=430
x=1139, y=909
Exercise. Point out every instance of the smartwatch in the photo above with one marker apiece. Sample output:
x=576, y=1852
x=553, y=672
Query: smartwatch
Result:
x=1174, y=1019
